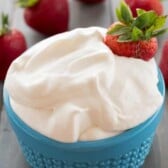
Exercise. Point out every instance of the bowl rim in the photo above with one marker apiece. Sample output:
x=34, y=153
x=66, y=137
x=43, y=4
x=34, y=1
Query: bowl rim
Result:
x=112, y=141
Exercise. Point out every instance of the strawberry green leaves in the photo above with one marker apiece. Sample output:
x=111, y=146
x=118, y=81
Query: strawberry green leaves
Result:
x=136, y=34
x=27, y=3
x=156, y=28
x=124, y=13
x=160, y=22
x=146, y=25
x=119, y=29
x=150, y=23
x=4, y=24
x=145, y=20
x=140, y=11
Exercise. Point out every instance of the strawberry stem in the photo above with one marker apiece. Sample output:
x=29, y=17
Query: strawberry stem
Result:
x=4, y=24
x=146, y=25
x=27, y=3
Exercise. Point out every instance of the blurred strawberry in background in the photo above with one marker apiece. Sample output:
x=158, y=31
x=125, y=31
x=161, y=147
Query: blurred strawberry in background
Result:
x=164, y=62
x=12, y=45
x=155, y=5
x=48, y=17
x=91, y=1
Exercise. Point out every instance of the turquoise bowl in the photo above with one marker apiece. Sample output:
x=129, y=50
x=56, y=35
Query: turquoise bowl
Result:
x=127, y=150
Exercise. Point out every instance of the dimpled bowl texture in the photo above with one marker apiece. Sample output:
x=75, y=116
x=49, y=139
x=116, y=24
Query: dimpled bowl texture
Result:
x=127, y=150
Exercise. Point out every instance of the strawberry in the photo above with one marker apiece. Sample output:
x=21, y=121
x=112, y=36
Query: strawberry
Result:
x=48, y=17
x=163, y=64
x=145, y=49
x=12, y=44
x=147, y=5
x=91, y=1
x=135, y=37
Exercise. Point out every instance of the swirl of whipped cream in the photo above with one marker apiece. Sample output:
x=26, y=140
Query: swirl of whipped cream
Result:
x=71, y=87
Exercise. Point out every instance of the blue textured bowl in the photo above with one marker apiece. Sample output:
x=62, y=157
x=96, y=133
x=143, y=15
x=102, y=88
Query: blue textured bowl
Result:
x=127, y=150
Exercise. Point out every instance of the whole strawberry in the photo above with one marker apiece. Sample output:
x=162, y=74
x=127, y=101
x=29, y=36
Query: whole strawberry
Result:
x=48, y=17
x=135, y=37
x=91, y=1
x=164, y=62
x=12, y=44
x=147, y=5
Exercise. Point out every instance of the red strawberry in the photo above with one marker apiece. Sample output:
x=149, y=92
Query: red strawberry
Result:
x=12, y=44
x=135, y=37
x=155, y=5
x=48, y=17
x=164, y=62
x=91, y=1
x=139, y=49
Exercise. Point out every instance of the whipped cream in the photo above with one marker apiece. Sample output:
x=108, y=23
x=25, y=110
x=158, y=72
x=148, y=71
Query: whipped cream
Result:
x=71, y=87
